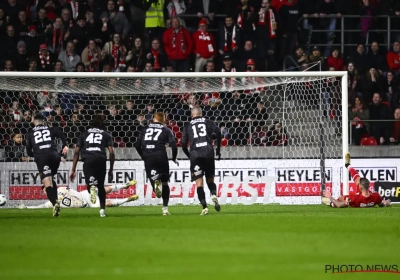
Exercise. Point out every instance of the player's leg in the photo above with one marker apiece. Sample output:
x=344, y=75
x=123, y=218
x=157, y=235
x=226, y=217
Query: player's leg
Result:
x=43, y=165
x=164, y=178
x=197, y=171
x=101, y=176
x=151, y=166
x=41, y=206
x=54, y=170
x=118, y=202
x=117, y=187
x=89, y=170
x=353, y=172
x=210, y=173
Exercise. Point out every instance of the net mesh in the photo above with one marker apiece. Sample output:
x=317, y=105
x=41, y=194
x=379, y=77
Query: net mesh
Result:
x=271, y=126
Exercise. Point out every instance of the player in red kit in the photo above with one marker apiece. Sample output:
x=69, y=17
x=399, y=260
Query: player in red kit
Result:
x=364, y=198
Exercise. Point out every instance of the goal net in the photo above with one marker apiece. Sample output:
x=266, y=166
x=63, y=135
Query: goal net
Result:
x=284, y=134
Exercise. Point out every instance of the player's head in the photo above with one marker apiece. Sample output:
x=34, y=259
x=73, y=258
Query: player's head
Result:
x=197, y=112
x=38, y=119
x=159, y=117
x=98, y=121
x=364, y=184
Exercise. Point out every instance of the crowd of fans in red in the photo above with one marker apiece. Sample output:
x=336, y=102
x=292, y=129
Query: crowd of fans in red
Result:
x=111, y=36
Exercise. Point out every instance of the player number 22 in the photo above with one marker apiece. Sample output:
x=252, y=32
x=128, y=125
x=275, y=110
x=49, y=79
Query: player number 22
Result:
x=202, y=130
x=42, y=135
x=149, y=136
x=94, y=138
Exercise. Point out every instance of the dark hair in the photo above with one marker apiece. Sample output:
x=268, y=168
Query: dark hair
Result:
x=39, y=117
x=364, y=183
x=98, y=121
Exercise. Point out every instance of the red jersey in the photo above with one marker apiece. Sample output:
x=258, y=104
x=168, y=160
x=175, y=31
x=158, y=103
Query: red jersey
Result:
x=358, y=200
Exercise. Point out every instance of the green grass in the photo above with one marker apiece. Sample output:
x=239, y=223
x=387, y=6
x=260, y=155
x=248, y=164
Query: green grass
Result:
x=240, y=242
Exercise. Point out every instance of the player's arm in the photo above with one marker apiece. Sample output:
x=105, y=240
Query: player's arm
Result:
x=58, y=133
x=218, y=135
x=172, y=144
x=138, y=144
x=337, y=203
x=383, y=202
x=29, y=151
x=110, y=144
x=185, y=142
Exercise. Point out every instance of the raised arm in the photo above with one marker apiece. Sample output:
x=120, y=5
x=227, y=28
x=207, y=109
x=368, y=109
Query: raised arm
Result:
x=172, y=144
x=185, y=142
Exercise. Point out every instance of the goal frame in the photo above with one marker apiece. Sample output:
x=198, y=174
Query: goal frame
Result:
x=143, y=75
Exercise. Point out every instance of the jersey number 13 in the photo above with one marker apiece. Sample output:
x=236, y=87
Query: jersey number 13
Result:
x=199, y=130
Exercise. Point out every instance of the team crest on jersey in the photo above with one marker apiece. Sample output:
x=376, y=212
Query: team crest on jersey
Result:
x=46, y=170
x=154, y=175
x=92, y=181
x=197, y=170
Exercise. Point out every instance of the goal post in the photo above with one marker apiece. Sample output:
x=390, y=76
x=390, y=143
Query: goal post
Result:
x=292, y=126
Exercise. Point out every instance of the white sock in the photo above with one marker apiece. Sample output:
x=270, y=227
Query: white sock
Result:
x=117, y=202
x=117, y=187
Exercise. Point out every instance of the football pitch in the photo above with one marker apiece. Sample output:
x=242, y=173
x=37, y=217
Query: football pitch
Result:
x=240, y=242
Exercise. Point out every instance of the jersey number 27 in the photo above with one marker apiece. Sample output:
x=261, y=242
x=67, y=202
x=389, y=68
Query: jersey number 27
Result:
x=152, y=134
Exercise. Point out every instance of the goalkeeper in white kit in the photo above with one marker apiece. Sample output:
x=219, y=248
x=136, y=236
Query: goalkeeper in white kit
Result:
x=69, y=198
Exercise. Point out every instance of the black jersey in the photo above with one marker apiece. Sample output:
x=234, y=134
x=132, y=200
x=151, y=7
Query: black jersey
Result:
x=152, y=141
x=199, y=133
x=93, y=143
x=41, y=141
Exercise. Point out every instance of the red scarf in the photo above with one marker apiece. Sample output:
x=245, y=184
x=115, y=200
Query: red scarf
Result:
x=74, y=15
x=240, y=18
x=262, y=21
x=231, y=80
x=42, y=62
x=92, y=54
x=233, y=44
x=118, y=54
x=60, y=40
x=156, y=60
x=182, y=39
x=173, y=10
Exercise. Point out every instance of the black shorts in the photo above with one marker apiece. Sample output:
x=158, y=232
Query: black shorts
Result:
x=202, y=166
x=157, y=168
x=48, y=165
x=95, y=170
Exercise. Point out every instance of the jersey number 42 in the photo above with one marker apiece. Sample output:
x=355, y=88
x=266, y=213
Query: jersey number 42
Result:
x=94, y=138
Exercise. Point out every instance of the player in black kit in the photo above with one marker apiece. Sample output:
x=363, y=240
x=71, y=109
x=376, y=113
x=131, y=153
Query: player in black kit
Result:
x=150, y=145
x=92, y=144
x=199, y=133
x=42, y=146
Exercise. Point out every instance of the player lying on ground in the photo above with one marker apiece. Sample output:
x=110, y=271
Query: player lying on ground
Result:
x=151, y=146
x=41, y=145
x=199, y=133
x=364, y=198
x=70, y=198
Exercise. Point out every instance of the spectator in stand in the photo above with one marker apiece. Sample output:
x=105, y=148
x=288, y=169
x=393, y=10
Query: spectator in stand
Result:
x=8, y=65
x=69, y=58
x=106, y=32
x=136, y=56
x=204, y=46
x=117, y=19
x=130, y=111
x=55, y=37
x=335, y=61
x=178, y=45
x=21, y=59
x=115, y=52
x=228, y=67
x=32, y=64
x=395, y=138
x=239, y=131
x=205, y=8
x=316, y=60
x=210, y=66
x=44, y=60
x=8, y=45
x=310, y=22
x=157, y=55
x=11, y=9
x=296, y=60
x=229, y=38
x=43, y=24
x=360, y=60
x=248, y=53
x=265, y=36
x=67, y=19
x=276, y=135
x=15, y=149
x=329, y=8
x=91, y=56
x=77, y=8
x=60, y=117
x=376, y=59
x=21, y=24
x=32, y=41
x=26, y=123
x=258, y=115
x=15, y=111
x=149, y=112
x=372, y=82
x=176, y=8
x=289, y=15
x=79, y=34
x=245, y=20
x=391, y=89
x=380, y=114
x=80, y=67
x=366, y=22
x=3, y=21
x=113, y=114
x=358, y=113
x=156, y=15
x=224, y=130
x=393, y=58
x=353, y=78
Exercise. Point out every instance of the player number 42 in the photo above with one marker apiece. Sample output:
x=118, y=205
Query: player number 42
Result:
x=94, y=138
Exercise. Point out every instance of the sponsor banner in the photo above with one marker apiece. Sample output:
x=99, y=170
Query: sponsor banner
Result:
x=373, y=174
x=388, y=190
x=301, y=181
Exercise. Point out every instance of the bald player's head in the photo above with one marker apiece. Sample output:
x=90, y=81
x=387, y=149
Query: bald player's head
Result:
x=197, y=112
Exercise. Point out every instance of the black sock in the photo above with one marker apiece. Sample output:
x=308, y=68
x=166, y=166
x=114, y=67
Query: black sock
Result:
x=165, y=195
x=50, y=195
x=102, y=196
x=202, y=196
x=213, y=188
x=55, y=189
x=152, y=186
x=347, y=165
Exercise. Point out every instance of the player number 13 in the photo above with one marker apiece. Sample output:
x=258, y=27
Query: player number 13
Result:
x=202, y=130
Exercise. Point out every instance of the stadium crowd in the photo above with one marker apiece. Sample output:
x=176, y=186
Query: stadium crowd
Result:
x=161, y=36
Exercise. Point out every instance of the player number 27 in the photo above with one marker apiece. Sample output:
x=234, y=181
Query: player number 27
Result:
x=42, y=135
x=94, y=138
x=149, y=136
x=202, y=130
